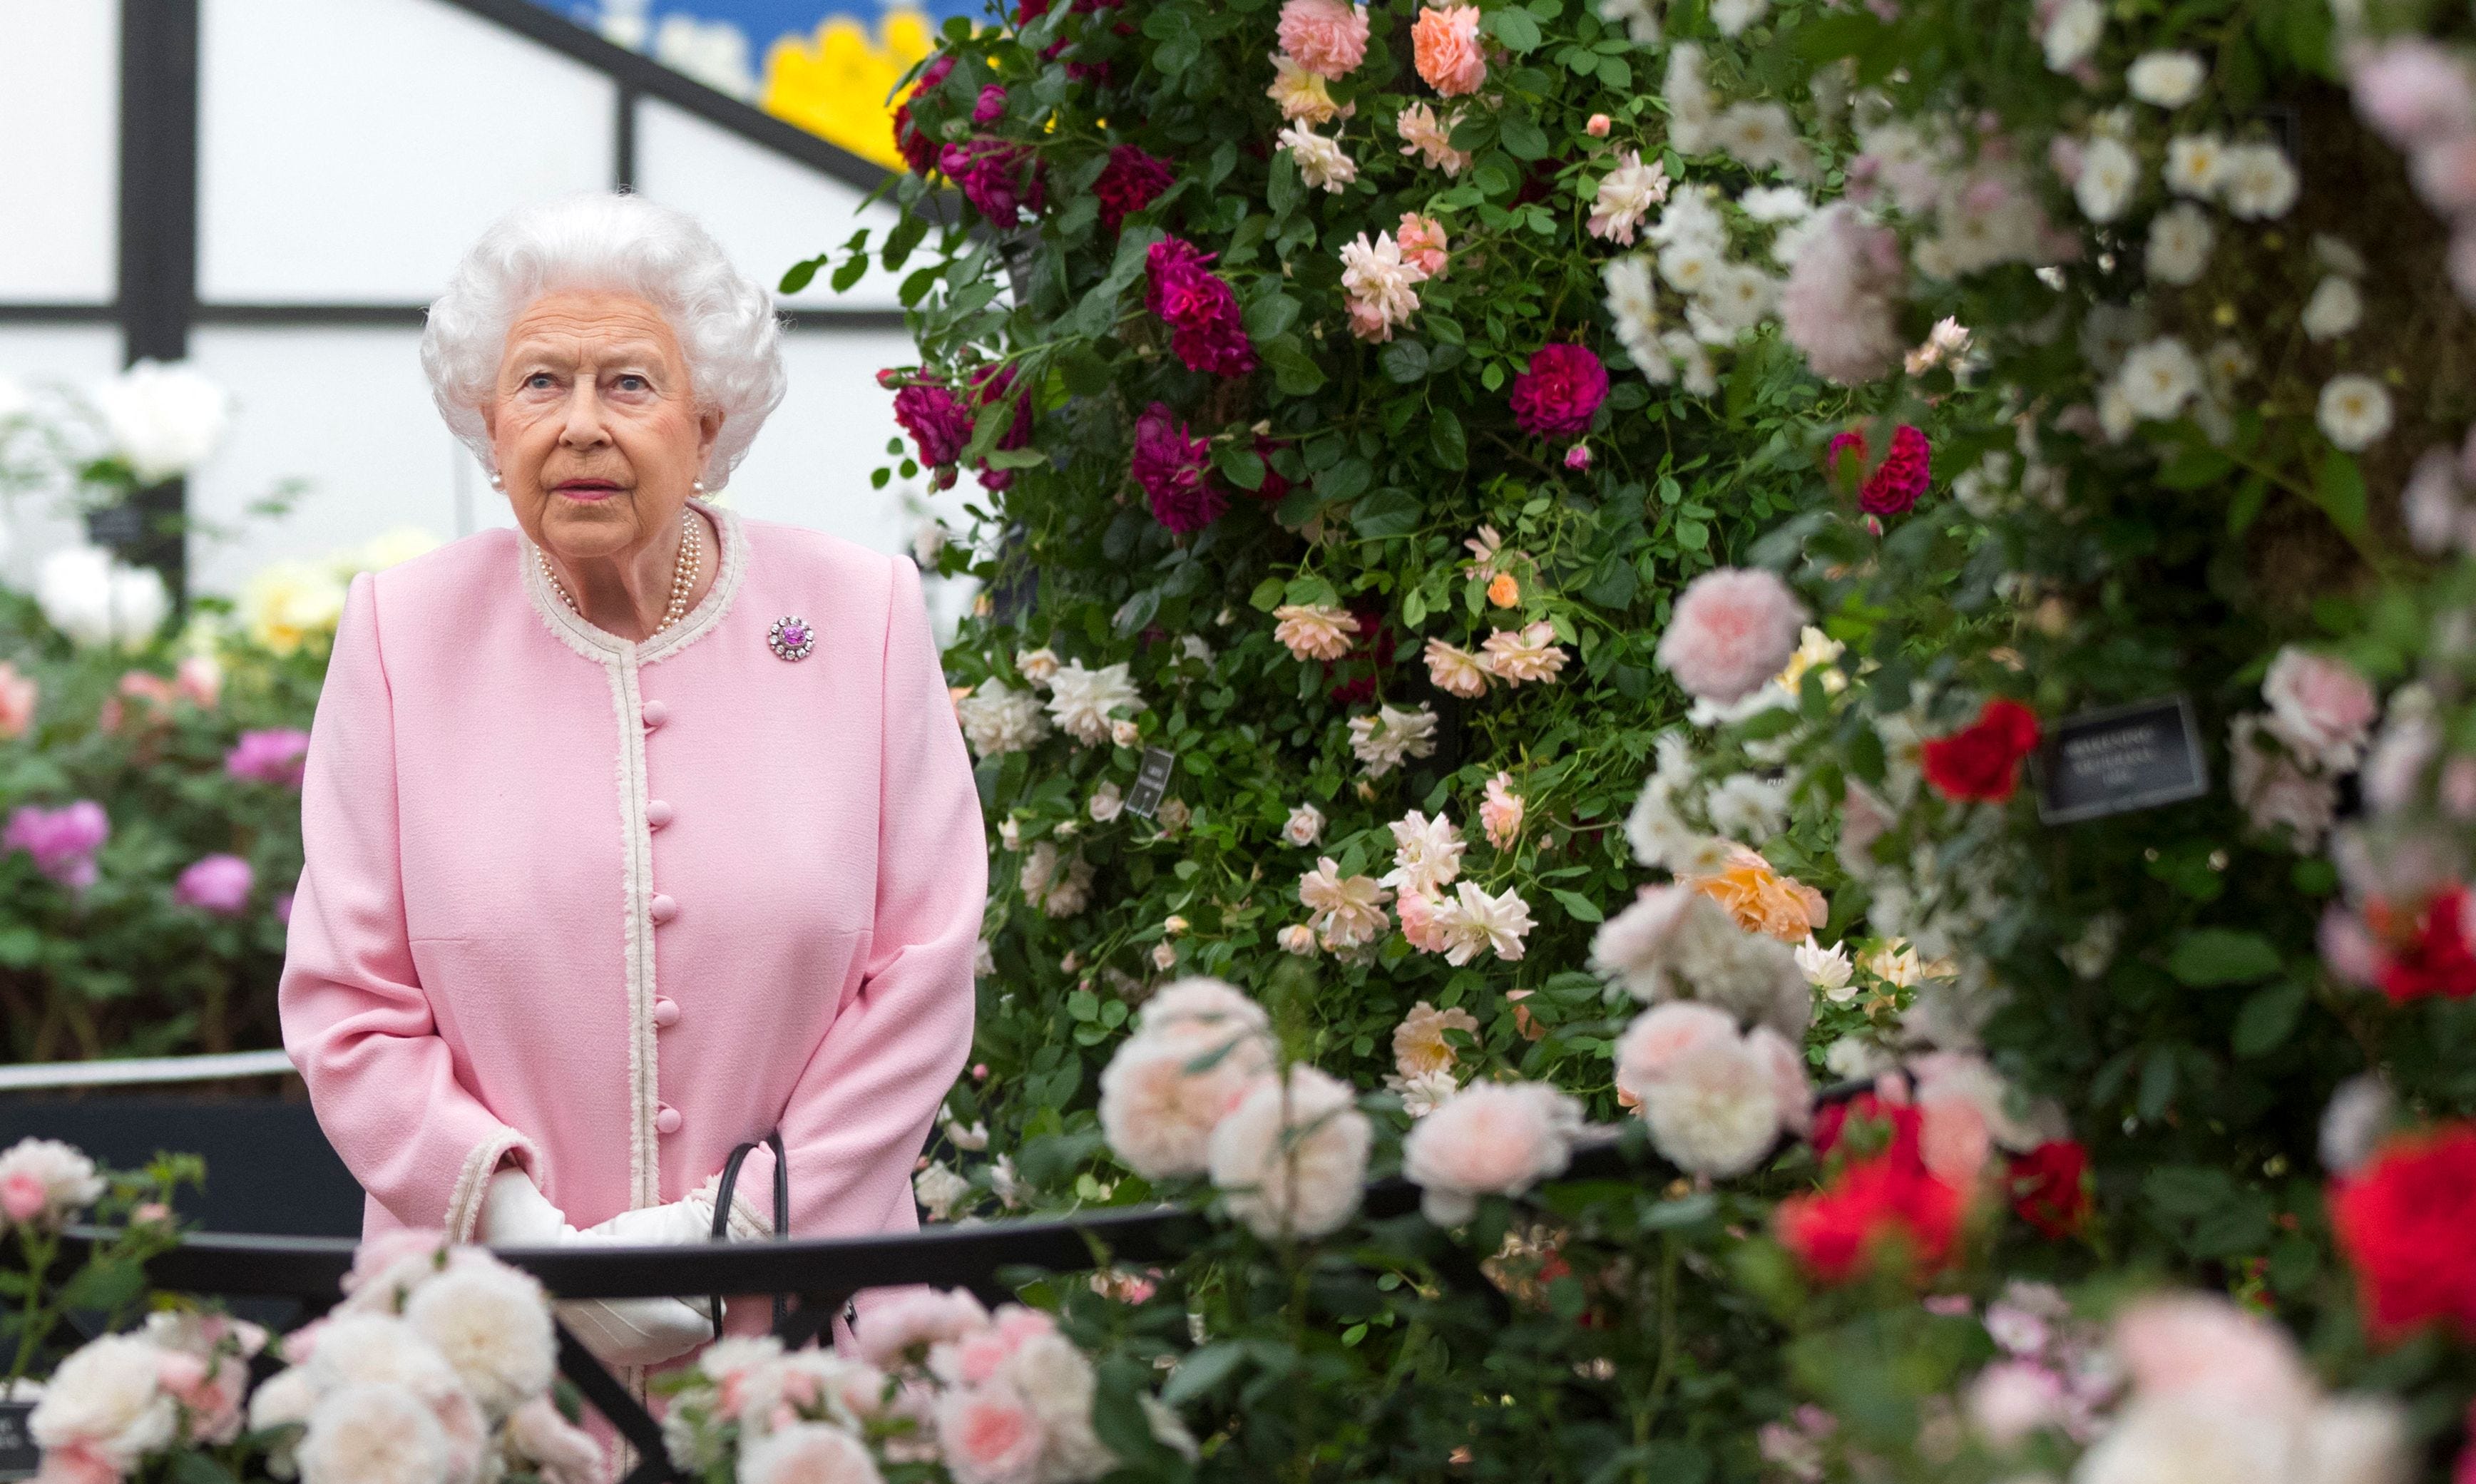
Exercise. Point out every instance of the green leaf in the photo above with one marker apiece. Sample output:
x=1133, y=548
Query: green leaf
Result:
x=1387, y=512
x=800, y=275
x=2209, y=957
x=1241, y=465
x=1293, y=371
x=1515, y=29
x=1445, y=437
x=2197, y=467
x=1017, y=458
x=193, y=1468
x=1346, y=480
x=1521, y=133
x=1270, y=315
x=899, y=241
x=2245, y=507
x=2267, y=1018
x=1582, y=908
x=1404, y=361
x=1267, y=596
x=1202, y=1370
x=2341, y=488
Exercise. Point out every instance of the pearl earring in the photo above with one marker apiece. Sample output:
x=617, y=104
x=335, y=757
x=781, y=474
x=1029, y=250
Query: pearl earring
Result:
x=498, y=481
x=697, y=485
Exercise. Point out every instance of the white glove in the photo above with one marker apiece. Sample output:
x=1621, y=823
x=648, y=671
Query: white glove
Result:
x=618, y=1332
x=676, y=1224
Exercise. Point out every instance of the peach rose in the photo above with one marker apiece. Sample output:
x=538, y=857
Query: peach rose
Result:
x=1763, y=900
x=1444, y=45
x=17, y=695
x=1328, y=37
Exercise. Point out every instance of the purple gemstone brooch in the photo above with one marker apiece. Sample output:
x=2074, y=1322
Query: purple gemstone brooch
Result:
x=791, y=637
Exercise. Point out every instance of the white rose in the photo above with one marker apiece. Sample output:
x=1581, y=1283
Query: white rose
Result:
x=2335, y=308
x=2180, y=239
x=2110, y=174
x=2354, y=411
x=1714, y=1112
x=96, y=600
x=2072, y=33
x=374, y=1434
x=1492, y=1139
x=105, y=1397
x=1166, y=1090
x=1293, y=1155
x=2158, y=378
x=492, y=1324
x=2168, y=79
x=164, y=420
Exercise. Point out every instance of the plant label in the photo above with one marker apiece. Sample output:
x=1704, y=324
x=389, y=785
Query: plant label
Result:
x=2125, y=758
x=1151, y=781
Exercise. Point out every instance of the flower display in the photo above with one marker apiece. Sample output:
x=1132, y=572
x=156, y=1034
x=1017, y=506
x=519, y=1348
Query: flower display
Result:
x=269, y=756
x=1198, y=1047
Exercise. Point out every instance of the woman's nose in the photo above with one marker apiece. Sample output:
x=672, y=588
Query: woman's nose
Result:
x=583, y=428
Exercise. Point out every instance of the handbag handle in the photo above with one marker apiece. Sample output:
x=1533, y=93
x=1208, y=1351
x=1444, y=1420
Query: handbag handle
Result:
x=782, y=1210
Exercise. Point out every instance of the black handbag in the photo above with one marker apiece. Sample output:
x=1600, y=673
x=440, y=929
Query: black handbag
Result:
x=782, y=1212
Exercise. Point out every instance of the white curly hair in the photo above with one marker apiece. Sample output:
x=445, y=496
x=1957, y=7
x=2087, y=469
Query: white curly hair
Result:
x=725, y=320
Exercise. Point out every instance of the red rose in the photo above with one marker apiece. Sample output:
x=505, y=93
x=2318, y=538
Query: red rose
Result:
x=2403, y=1220
x=1129, y=183
x=1982, y=760
x=1558, y=395
x=2437, y=960
x=1895, y=485
x=2048, y=1189
x=1887, y=1207
x=1874, y=1125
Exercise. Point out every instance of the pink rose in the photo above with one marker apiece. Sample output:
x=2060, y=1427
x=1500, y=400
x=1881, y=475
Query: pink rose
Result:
x=78, y=1463
x=215, y=883
x=1328, y=37
x=2319, y=706
x=989, y=1435
x=1837, y=307
x=1599, y=126
x=893, y=1327
x=1490, y=1139
x=61, y=841
x=23, y=1196
x=1421, y=241
x=1445, y=45
x=1561, y=391
x=273, y=756
x=199, y=680
x=2182, y=1343
x=1732, y=631
x=2413, y=92
x=18, y=694
x=1664, y=1037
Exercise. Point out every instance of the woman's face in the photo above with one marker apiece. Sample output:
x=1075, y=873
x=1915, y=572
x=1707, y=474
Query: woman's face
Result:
x=594, y=425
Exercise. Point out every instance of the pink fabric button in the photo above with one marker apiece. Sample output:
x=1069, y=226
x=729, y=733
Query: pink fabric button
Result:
x=663, y=908
x=667, y=1121
x=655, y=713
x=666, y=1011
x=657, y=813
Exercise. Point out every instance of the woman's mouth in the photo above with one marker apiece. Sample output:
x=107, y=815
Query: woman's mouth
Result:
x=585, y=490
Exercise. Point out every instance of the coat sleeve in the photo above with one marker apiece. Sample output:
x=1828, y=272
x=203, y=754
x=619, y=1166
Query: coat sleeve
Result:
x=862, y=1109
x=355, y=1019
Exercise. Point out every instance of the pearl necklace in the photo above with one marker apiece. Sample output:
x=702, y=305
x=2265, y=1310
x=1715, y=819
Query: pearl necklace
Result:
x=683, y=576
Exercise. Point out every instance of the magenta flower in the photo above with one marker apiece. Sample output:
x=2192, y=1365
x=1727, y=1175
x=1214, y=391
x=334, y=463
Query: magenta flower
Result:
x=1174, y=472
x=1000, y=177
x=938, y=422
x=62, y=841
x=988, y=385
x=1199, y=308
x=1129, y=183
x=283, y=907
x=920, y=151
x=273, y=755
x=1557, y=396
x=990, y=106
x=215, y=883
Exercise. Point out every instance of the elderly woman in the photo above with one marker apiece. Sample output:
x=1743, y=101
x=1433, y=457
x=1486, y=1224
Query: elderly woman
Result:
x=640, y=831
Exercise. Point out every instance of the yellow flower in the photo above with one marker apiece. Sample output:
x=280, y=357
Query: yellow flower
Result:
x=381, y=551
x=841, y=85
x=1814, y=647
x=290, y=604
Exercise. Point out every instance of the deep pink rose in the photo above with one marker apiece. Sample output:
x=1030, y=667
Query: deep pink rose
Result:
x=920, y=151
x=998, y=176
x=1199, y=307
x=1130, y=182
x=1557, y=396
x=273, y=756
x=938, y=422
x=988, y=385
x=215, y=883
x=1174, y=472
x=62, y=841
x=990, y=106
x=1894, y=486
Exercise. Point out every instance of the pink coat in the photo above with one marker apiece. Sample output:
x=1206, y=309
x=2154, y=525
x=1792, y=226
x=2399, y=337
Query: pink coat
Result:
x=612, y=909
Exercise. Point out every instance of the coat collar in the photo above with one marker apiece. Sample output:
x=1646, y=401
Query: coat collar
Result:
x=571, y=628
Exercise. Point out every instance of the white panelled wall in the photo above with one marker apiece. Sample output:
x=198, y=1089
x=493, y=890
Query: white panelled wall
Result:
x=348, y=153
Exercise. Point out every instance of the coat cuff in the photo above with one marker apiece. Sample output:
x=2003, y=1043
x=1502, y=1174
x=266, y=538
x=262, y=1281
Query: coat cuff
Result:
x=749, y=1220
x=473, y=1181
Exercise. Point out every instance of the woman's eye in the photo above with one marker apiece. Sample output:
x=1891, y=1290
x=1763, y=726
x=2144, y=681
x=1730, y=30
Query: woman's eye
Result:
x=539, y=380
x=634, y=383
